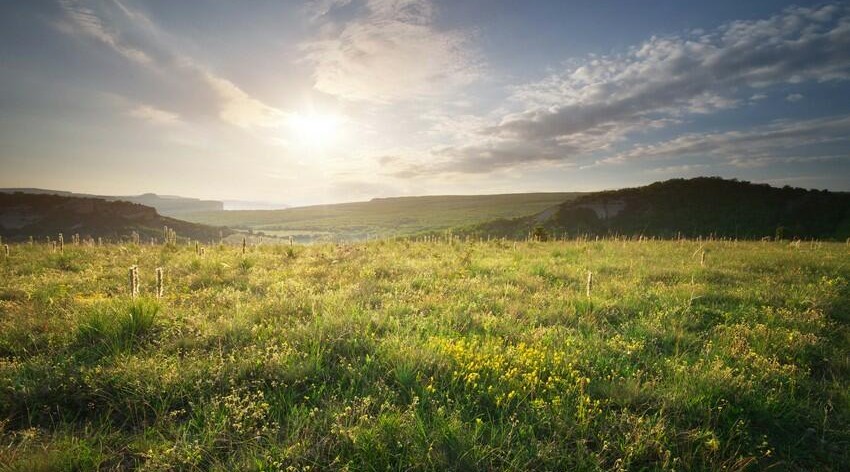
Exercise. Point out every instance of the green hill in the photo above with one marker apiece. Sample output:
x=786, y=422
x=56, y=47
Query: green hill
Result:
x=168, y=205
x=39, y=215
x=384, y=216
x=696, y=207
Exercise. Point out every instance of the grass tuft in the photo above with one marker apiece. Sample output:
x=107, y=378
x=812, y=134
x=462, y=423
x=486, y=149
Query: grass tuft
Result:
x=118, y=326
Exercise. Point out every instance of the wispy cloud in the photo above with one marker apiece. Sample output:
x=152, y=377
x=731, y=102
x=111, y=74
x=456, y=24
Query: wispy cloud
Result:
x=238, y=108
x=86, y=21
x=475, y=158
x=676, y=75
x=391, y=52
x=604, y=99
x=319, y=8
x=752, y=148
x=154, y=115
x=418, y=107
x=135, y=36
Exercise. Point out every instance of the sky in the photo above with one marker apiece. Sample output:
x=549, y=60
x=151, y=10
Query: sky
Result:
x=345, y=100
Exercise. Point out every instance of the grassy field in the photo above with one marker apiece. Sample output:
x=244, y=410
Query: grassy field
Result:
x=384, y=216
x=414, y=356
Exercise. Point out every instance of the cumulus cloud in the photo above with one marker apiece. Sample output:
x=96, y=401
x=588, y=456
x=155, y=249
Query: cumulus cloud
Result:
x=794, y=97
x=136, y=37
x=604, y=100
x=392, y=51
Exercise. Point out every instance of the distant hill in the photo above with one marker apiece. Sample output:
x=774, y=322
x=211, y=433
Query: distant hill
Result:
x=696, y=207
x=230, y=205
x=384, y=216
x=39, y=215
x=168, y=205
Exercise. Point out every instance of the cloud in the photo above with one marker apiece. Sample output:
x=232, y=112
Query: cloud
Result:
x=478, y=158
x=691, y=74
x=481, y=155
x=240, y=109
x=86, y=21
x=389, y=53
x=605, y=100
x=751, y=148
x=136, y=37
x=682, y=169
x=154, y=115
x=319, y=8
x=794, y=97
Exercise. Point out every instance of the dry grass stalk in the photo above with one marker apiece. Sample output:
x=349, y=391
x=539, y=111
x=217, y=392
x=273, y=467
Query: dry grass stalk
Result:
x=134, y=281
x=159, y=283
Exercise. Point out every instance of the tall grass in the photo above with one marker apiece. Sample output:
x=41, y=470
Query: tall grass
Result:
x=118, y=326
x=445, y=355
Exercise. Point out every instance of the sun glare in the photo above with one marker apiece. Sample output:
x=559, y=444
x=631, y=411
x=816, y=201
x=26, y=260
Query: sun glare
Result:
x=314, y=130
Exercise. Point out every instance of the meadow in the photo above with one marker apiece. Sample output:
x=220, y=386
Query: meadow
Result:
x=399, y=355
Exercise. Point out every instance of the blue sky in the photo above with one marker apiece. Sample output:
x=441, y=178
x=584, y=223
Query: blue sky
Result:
x=340, y=100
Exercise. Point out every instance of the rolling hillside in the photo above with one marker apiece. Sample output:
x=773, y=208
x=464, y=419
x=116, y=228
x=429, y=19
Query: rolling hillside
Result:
x=384, y=216
x=694, y=207
x=39, y=215
x=168, y=205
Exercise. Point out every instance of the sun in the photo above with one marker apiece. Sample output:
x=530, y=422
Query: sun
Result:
x=313, y=129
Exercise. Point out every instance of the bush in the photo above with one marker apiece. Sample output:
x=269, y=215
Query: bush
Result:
x=539, y=233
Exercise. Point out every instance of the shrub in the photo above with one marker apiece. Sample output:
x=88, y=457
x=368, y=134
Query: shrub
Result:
x=539, y=233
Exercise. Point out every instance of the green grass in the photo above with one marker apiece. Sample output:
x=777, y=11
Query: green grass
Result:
x=413, y=356
x=384, y=216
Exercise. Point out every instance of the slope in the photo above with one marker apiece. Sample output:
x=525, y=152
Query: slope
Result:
x=696, y=207
x=40, y=215
x=168, y=205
